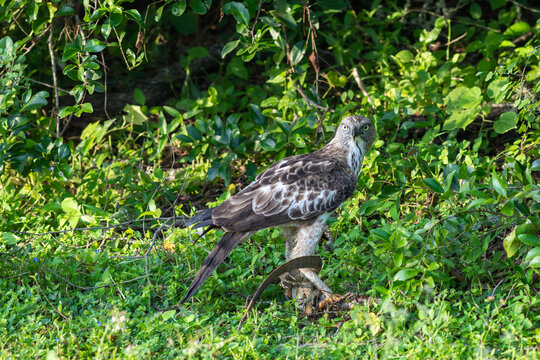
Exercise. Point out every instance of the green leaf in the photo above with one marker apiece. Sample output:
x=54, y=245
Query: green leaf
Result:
x=498, y=184
x=460, y=119
x=404, y=56
x=10, y=238
x=510, y=244
x=64, y=10
x=463, y=105
x=505, y=122
x=529, y=239
x=87, y=108
x=198, y=7
x=297, y=52
x=335, y=79
x=463, y=98
x=197, y=52
x=168, y=315
x=269, y=144
x=135, y=15
x=115, y=19
x=193, y=132
x=94, y=45
x=6, y=45
x=106, y=28
x=65, y=111
x=70, y=206
x=36, y=101
x=257, y=114
x=534, y=252
x=498, y=89
x=139, y=97
x=134, y=115
x=495, y=4
x=433, y=185
x=405, y=274
x=476, y=11
x=285, y=17
x=534, y=262
x=70, y=51
x=238, y=10
x=177, y=9
x=517, y=29
x=535, y=165
x=230, y=46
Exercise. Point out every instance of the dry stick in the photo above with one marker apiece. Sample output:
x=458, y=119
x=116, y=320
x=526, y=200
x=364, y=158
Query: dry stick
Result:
x=310, y=103
x=516, y=3
x=86, y=287
x=48, y=85
x=120, y=46
x=256, y=18
x=156, y=234
x=125, y=223
x=105, y=85
x=46, y=298
x=360, y=84
x=55, y=83
x=36, y=40
x=144, y=33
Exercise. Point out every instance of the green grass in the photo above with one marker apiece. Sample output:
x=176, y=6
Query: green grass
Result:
x=42, y=314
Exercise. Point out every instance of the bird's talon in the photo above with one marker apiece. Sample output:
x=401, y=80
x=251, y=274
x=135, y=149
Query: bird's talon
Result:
x=329, y=301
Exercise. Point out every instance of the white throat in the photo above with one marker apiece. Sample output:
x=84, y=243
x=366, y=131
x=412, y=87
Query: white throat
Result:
x=356, y=155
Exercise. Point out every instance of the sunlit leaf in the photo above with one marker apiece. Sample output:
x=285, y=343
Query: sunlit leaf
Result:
x=506, y=121
x=405, y=274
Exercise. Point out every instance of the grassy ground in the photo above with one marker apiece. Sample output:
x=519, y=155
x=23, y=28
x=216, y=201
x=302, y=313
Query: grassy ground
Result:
x=43, y=314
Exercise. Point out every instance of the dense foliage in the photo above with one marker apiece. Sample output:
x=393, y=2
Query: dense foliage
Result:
x=115, y=116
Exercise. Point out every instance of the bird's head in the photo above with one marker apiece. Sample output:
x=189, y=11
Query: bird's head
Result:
x=356, y=129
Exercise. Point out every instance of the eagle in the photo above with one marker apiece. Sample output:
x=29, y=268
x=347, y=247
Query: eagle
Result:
x=297, y=194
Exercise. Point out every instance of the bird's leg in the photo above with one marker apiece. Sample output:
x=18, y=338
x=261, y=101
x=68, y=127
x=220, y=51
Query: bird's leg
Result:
x=304, y=284
x=329, y=243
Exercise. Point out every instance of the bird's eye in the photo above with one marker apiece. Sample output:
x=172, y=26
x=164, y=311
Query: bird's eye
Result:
x=345, y=127
x=366, y=127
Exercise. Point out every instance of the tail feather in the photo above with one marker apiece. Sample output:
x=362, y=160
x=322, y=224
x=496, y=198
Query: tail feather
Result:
x=201, y=219
x=220, y=252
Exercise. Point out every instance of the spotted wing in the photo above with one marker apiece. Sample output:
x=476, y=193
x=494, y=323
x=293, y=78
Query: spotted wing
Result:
x=296, y=188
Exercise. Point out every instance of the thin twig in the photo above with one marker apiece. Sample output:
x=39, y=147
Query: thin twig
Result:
x=310, y=103
x=256, y=18
x=86, y=287
x=360, y=84
x=55, y=83
x=120, y=46
x=36, y=40
x=105, y=85
x=46, y=298
x=48, y=85
x=179, y=222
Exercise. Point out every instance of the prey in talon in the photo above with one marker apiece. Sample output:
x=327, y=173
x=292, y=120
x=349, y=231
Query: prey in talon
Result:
x=296, y=194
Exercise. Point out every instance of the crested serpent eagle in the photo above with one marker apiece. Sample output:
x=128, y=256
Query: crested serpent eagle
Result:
x=298, y=194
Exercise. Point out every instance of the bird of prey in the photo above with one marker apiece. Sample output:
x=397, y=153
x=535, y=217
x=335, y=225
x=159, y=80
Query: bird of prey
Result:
x=298, y=194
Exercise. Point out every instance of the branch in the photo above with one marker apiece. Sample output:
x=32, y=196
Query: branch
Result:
x=360, y=84
x=179, y=221
x=55, y=83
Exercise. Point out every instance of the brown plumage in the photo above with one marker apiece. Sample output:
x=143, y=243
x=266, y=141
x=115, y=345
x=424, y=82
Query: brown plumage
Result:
x=297, y=193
